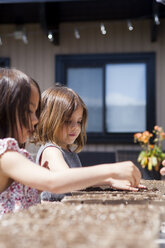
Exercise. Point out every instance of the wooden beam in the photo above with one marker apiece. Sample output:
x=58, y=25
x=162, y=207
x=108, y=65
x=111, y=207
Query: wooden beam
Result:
x=155, y=21
x=46, y=24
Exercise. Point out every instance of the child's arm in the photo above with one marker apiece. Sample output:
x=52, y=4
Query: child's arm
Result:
x=54, y=159
x=19, y=168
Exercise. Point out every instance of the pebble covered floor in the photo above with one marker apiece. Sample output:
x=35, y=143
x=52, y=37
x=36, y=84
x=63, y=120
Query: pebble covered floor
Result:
x=93, y=219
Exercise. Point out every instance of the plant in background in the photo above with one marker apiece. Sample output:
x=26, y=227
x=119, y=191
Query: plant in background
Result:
x=151, y=155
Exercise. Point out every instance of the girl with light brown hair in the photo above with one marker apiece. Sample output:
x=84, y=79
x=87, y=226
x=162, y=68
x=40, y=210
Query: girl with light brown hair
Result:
x=62, y=132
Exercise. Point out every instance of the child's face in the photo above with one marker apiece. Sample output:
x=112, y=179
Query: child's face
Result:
x=26, y=132
x=71, y=128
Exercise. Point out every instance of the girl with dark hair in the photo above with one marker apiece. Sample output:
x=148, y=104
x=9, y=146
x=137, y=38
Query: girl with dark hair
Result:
x=21, y=178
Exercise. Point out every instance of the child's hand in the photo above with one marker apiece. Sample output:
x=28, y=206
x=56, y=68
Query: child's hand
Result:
x=162, y=171
x=122, y=185
x=141, y=186
x=127, y=171
x=45, y=165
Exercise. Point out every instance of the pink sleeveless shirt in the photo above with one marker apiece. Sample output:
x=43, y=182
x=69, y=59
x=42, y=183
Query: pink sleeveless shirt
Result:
x=16, y=196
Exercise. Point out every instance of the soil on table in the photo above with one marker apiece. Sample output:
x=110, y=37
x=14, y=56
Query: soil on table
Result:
x=154, y=193
x=96, y=225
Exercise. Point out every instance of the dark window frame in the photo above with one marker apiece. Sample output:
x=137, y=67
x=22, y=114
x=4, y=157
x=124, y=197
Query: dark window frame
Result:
x=63, y=62
x=4, y=62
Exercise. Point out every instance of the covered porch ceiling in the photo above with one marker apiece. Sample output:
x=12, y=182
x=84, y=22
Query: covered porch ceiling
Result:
x=53, y=12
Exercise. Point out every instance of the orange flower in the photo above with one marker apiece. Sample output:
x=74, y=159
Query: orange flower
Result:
x=146, y=133
x=157, y=128
x=146, y=136
x=137, y=137
x=151, y=154
x=163, y=135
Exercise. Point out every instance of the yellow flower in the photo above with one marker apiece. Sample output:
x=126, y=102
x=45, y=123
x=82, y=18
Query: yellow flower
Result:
x=149, y=165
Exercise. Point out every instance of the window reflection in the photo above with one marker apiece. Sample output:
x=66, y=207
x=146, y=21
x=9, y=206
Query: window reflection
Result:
x=87, y=82
x=125, y=97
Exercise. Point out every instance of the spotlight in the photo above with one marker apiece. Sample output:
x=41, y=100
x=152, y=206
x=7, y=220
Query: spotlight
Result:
x=20, y=34
x=24, y=39
x=102, y=28
x=160, y=1
x=53, y=36
x=76, y=33
x=130, y=26
x=156, y=19
x=50, y=36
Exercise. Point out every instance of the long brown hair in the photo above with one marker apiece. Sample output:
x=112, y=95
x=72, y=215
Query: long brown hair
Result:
x=57, y=105
x=15, y=91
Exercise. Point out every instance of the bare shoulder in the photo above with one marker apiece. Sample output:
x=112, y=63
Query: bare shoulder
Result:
x=54, y=158
x=8, y=158
x=11, y=159
x=51, y=150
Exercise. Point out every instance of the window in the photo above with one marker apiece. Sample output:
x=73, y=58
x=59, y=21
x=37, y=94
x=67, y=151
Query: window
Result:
x=4, y=62
x=118, y=89
x=125, y=97
x=87, y=82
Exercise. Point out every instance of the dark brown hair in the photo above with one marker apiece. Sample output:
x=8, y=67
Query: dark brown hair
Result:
x=57, y=105
x=15, y=91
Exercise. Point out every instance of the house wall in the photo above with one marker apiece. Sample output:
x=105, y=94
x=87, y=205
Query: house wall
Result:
x=37, y=58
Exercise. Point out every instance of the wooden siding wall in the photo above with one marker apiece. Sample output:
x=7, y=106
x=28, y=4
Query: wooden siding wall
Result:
x=37, y=58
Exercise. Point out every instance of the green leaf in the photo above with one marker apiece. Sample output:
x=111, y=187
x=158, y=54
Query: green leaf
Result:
x=154, y=161
x=144, y=162
x=141, y=156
